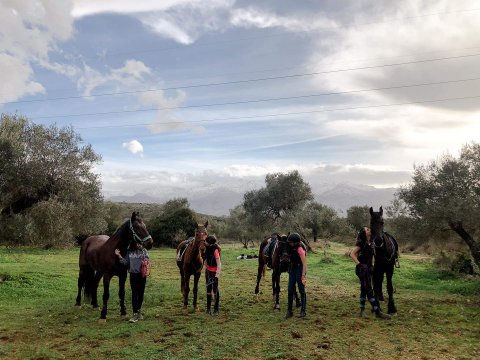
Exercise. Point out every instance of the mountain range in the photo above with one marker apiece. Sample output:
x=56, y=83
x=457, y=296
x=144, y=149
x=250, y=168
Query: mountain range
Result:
x=219, y=200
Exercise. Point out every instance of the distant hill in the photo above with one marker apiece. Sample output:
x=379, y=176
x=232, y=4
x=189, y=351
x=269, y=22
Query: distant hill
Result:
x=343, y=196
x=219, y=200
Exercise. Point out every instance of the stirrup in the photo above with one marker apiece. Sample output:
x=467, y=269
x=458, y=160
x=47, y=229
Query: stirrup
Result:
x=397, y=263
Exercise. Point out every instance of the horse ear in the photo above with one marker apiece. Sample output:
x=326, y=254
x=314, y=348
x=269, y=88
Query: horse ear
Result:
x=134, y=216
x=371, y=210
x=206, y=224
x=381, y=211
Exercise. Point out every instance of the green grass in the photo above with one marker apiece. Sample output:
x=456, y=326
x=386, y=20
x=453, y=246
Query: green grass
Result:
x=438, y=313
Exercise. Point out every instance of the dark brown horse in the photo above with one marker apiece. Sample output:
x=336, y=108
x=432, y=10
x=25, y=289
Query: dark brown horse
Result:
x=97, y=259
x=386, y=256
x=189, y=261
x=279, y=263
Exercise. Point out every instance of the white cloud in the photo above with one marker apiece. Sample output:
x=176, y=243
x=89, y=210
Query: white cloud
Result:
x=130, y=75
x=414, y=37
x=252, y=17
x=29, y=31
x=92, y=7
x=134, y=146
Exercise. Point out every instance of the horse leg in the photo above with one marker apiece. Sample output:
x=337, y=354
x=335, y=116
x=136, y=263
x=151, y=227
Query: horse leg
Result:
x=276, y=290
x=122, y=278
x=186, y=289
x=196, y=277
x=106, y=295
x=259, y=275
x=80, y=283
x=96, y=281
x=391, y=304
x=182, y=279
x=377, y=277
x=298, y=302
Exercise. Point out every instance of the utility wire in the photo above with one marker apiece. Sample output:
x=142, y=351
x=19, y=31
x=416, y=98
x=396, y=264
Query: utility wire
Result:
x=244, y=81
x=287, y=114
x=258, y=100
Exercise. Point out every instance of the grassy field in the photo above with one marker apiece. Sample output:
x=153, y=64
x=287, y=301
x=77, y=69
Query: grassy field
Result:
x=439, y=315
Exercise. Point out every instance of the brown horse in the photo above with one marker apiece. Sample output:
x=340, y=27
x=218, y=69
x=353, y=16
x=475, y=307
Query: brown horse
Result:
x=280, y=261
x=189, y=261
x=97, y=259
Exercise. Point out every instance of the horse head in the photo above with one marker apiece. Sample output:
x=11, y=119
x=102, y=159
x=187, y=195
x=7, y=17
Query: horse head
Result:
x=139, y=231
x=284, y=251
x=376, y=226
x=201, y=235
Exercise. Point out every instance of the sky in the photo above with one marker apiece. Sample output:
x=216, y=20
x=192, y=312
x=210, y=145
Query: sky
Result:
x=185, y=95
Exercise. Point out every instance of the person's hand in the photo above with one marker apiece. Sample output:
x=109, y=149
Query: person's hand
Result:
x=304, y=280
x=217, y=275
x=117, y=252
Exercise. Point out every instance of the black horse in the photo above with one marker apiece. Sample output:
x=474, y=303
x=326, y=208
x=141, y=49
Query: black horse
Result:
x=279, y=263
x=386, y=255
x=97, y=260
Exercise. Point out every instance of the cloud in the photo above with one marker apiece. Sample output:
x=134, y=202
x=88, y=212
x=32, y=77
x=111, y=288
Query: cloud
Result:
x=134, y=146
x=29, y=32
x=129, y=75
x=414, y=37
x=93, y=7
x=252, y=17
x=181, y=20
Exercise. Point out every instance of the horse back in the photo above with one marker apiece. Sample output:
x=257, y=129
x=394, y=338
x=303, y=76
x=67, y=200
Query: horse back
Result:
x=91, y=250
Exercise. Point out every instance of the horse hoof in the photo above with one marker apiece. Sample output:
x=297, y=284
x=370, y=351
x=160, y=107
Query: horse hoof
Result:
x=78, y=306
x=102, y=321
x=276, y=307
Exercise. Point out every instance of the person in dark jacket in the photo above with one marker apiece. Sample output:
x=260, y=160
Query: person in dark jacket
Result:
x=362, y=255
x=297, y=274
x=213, y=266
x=133, y=261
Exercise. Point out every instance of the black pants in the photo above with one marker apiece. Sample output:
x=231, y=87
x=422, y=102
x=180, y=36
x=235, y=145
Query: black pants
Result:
x=137, y=283
x=364, y=273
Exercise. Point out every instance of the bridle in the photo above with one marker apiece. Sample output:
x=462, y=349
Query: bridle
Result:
x=137, y=238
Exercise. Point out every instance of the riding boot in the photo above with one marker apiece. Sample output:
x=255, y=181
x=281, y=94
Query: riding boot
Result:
x=376, y=309
x=209, y=304
x=362, y=307
x=303, y=309
x=217, y=301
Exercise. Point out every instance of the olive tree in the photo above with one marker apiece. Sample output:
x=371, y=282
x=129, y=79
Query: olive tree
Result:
x=446, y=194
x=47, y=179
x=282, y=196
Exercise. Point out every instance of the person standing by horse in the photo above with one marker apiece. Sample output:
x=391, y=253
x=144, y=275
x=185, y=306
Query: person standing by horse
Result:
x=134, y=259
x=362, y=255
x=213, y=267
x=297, y=274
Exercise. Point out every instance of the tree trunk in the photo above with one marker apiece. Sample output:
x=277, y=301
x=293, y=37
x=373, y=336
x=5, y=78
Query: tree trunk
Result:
x=473, y=245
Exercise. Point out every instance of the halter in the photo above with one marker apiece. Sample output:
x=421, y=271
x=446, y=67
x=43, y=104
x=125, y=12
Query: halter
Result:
x=137, y=238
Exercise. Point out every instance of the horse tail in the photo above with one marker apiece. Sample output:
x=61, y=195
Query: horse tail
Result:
x=89, y=282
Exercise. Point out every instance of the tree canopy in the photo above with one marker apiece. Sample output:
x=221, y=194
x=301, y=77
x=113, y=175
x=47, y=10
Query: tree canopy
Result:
x=282, y=195
x=47, y=181
x=446, y=193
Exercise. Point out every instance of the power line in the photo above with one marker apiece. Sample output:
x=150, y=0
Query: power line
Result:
x=259, y=100
x=287, y=114
x=242, y=81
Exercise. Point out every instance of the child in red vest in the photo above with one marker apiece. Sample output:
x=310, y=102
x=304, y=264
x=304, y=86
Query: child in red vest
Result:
x=213, y=267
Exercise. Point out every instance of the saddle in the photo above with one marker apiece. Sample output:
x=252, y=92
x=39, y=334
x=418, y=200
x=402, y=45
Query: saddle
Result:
x=270, y=248
x=184, y=248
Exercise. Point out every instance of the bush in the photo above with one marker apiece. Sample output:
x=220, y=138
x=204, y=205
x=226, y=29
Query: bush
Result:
x=459, y=263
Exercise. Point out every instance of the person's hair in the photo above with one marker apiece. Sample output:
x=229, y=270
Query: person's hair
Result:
x=362, y=235
x=211, y=239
